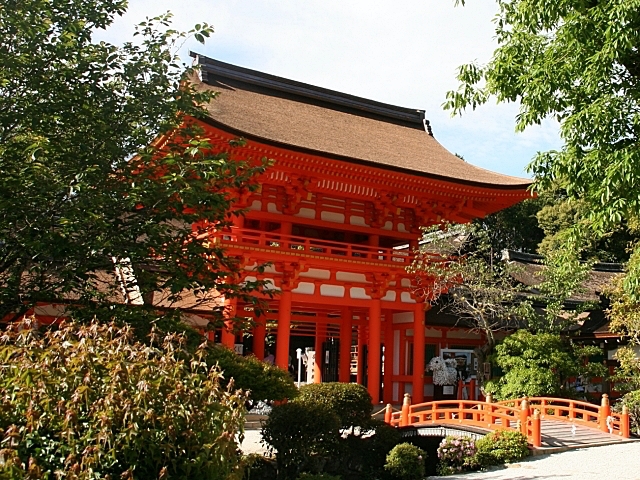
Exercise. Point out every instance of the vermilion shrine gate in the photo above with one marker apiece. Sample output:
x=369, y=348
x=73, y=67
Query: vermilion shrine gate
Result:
x=337, y=216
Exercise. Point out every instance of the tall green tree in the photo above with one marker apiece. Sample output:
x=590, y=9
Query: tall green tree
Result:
x=576, y=61
x=103, y=177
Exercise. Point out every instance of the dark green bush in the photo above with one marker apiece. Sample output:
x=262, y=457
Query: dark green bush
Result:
x=262, y=380
x=406, y=462
x=317, y=476
x=351, y=402
x=88, y=401
x=632, y=401
x=502, y=446
x=258, y=467
x=301, y=434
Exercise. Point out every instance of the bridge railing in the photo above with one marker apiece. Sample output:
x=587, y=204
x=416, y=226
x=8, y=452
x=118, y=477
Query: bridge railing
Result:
x=524, y=415
x=581, y=413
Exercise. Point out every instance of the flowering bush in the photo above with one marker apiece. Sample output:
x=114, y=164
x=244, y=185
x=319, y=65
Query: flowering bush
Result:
x=89, y=402
x=502, y=446
x=456, y=454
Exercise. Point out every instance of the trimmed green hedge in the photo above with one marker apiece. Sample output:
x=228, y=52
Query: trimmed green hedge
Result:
x=349, y=401
x=502, y=446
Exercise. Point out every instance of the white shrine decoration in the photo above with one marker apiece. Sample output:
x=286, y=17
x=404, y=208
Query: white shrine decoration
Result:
x=444, y=371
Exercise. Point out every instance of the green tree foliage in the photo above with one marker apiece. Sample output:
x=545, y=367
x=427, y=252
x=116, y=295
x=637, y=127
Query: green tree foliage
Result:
x=100, y=171
x=540, y=365
x=90, y=402
x=577, y=62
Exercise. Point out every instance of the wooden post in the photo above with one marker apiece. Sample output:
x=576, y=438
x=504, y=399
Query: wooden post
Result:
x=460, y=388
x=624, y=422
x=361, y=343
x=418, y=353
x=524, y=417
x=472, y=389
x=373, y=363
x=259, y=335
x=319, y=340
x=228, y=338
x=603, y=413
x=284, y=330
x=344, y=369
x=406, y=405
x=489, y=408
x=536, y=434
x=387, y=391
x=387, y=414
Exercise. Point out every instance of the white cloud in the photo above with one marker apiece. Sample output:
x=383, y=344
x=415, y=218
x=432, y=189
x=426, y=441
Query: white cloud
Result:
x=403, y=52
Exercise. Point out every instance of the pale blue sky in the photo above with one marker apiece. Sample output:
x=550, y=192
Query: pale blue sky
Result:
x=403, y=52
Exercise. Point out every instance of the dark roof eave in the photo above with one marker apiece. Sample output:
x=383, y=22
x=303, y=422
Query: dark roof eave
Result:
x=368, y=163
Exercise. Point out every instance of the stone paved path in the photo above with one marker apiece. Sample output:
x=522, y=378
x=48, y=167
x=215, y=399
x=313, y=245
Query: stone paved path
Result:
x=612, y=462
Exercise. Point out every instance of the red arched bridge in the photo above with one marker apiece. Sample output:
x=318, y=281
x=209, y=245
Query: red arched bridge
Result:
x=547, y=422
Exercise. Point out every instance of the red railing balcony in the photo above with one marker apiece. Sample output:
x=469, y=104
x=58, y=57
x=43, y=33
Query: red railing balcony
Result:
x=313, y=246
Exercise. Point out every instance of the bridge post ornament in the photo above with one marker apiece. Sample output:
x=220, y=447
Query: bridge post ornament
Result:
x=387, y=414
x=604, y=413
x=406, y=405
x=536, y=432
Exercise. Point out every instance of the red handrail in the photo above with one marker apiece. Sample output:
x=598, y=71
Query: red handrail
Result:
x=523, y=414
x=313, y=246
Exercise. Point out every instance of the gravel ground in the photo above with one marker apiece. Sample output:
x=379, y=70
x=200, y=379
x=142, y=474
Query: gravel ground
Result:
x=613, y=462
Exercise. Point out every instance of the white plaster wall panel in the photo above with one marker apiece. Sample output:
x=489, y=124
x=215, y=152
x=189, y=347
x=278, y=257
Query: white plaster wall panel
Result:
x=462, y=334
x=393, y=284
x=316, y=273
x=251, y=267
x=432, y=333
x=306, y=288
x=272, y=208
x=396, y=391
x=408, y=388
x=388, y=225
x=429, y=390
x=403, y=317
x=351, y=277
x=306, y=213
x=401, y=227
x=250, y=279
x=390, y=296
x=357, y=292
x=357, y=220
x=332, y=291
x=256, y=205
x=405, y=297
x=408, y=332
x=405, y=282
x=332, y=217
x=396, y=352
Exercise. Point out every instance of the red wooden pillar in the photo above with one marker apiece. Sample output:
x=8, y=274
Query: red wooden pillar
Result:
x=373, y=360
x=344, y=369
x=228, y=338
x=387, y=392
x=317, y=367
x=259, y=334
x=284, y=330
x=418, y=353
x=361, y=343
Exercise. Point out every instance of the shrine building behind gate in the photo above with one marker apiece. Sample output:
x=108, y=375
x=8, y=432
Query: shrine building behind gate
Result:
x=337, y=216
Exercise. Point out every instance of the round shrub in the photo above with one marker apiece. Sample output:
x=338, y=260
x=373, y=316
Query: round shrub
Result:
x=502, y=446
x=456, y=454
x=632, y=402
x=351, y=402
x=258, y=467
x=262, y=380
x=298, y=432
x=88, y=401
x=406, y=462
